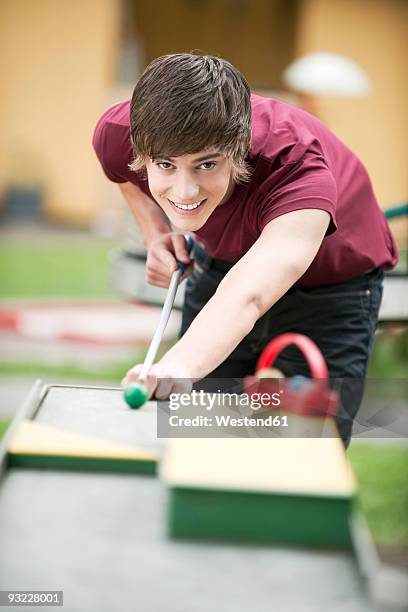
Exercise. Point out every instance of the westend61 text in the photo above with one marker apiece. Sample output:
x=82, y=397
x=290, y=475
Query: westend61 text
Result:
x=228, y=421
x=209, y=400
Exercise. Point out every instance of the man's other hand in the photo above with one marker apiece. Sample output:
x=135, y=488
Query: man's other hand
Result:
x=162, y=254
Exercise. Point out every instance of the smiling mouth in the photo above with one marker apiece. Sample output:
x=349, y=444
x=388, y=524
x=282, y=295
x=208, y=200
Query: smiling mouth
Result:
x=187, y=207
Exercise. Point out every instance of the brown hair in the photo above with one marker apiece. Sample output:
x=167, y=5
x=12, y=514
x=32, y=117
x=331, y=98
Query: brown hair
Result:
x=185, y=103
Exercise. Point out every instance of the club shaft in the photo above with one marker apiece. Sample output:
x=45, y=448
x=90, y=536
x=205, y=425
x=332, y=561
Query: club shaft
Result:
x=164, y=317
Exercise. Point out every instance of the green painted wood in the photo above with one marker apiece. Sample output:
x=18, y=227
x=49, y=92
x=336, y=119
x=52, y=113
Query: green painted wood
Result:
x=284, y=519
x=54, y=462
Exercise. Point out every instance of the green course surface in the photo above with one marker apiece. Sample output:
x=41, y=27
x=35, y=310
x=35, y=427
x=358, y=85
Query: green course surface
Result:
x=382, y=475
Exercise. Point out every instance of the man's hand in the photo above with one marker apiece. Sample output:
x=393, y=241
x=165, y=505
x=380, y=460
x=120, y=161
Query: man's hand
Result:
x=162, y=380
x=161, y=259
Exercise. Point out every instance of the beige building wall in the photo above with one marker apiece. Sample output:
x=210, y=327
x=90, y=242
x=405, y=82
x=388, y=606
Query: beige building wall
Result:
x=56, y=61
x=375, y=34
x=257, y=36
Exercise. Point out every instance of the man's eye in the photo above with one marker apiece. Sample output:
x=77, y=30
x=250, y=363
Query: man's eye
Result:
x=208, y=165
x=164, y=165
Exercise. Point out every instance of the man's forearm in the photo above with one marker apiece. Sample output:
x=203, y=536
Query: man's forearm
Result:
x=149, y=217
x=235, y=307
x=215, y=332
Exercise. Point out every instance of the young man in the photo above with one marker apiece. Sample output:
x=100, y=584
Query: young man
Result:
x=289, y=235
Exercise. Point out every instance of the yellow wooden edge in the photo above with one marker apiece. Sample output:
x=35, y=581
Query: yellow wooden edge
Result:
x=40, y=439
x=314, y=466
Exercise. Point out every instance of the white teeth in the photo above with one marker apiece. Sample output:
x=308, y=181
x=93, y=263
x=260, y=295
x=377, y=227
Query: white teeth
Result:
x=187, y=206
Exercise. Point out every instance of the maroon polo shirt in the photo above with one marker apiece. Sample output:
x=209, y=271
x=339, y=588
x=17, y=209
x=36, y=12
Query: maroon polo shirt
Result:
x=297, y=163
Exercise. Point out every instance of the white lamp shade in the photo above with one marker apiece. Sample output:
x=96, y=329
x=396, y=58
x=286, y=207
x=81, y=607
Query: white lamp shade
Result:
x=327, y=74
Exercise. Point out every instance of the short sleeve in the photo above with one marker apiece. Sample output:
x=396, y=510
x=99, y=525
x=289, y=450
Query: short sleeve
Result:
x=307, y=183
x=113, y=148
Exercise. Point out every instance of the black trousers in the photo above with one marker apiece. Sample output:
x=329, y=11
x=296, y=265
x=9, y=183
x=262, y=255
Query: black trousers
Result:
x=341, y=319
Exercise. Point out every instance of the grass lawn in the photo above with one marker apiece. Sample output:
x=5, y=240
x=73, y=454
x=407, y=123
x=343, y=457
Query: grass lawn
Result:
x=390, y=355
x=3, y=427
x=108, y=374
x=35, y=269
x=382, y=475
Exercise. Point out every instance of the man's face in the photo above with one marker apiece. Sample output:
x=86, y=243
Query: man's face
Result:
x=189, y=187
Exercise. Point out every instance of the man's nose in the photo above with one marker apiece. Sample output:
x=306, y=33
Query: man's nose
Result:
x=185, y=188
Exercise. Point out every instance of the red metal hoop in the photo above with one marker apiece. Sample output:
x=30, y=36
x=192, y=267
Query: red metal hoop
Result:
x=311, y=353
